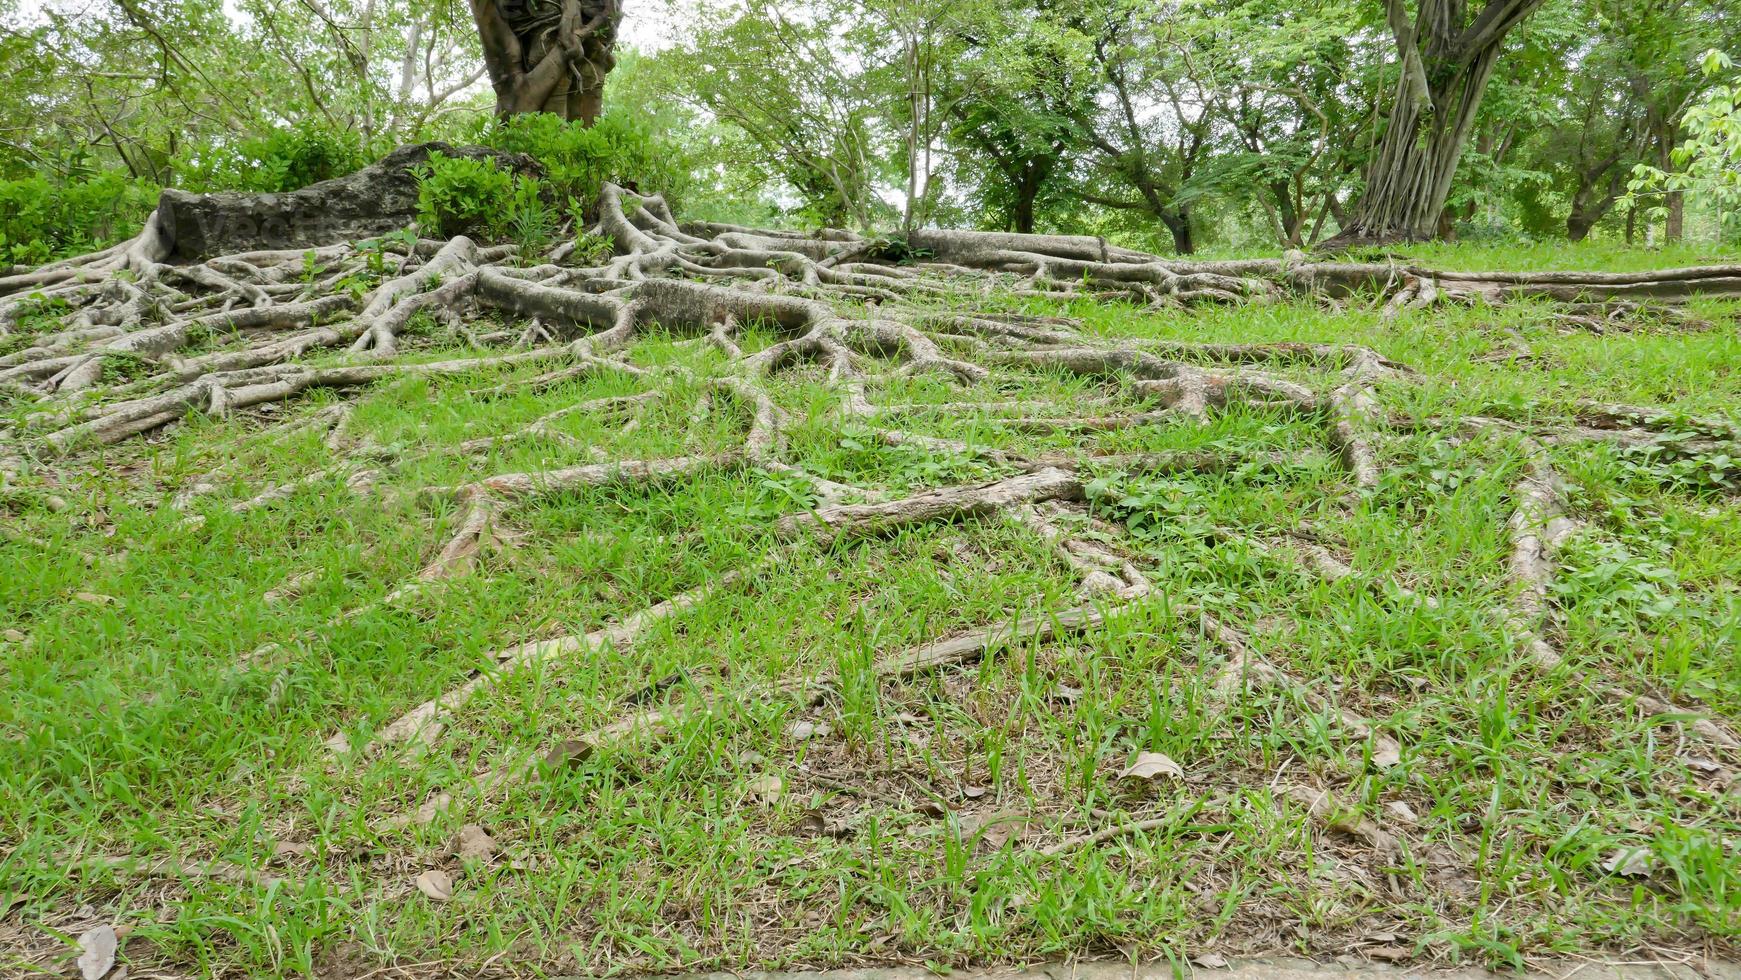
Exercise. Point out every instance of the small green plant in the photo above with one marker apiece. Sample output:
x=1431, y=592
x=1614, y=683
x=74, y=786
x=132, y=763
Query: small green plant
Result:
x=591, y=248
x=577, y=159
x=118, y=366
x=895, y=248
x=463, y=195
x=475, y=196
x=1666, y=461
x=531, y=220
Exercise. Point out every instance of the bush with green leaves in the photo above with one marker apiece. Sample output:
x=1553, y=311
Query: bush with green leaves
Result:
x=284, y=160
x=463, y=196
x=578, y=159
x=44, y=217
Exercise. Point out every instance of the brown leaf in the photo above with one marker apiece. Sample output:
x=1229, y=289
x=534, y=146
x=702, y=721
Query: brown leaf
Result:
x=1151, y=766
x=1210, y=961
x=1401, y=812
x=973, y=792
x=1387, y=954
x=435, y=884
x=805, y=730
x=1629, y=862
x=284, y=851
x=568, y=752
x=996, y=828
x=767, y=790
x=14, y=636
x=97, y=952
x=94, y=598
x=475, y=844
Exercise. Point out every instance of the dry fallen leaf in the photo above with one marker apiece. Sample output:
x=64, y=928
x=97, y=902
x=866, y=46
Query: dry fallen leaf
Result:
x=14, y=636
x=1401, y=812
x=286, y=850
x=436, y=884
x=475, y=844
x=1387, y=954
x=94, y=598
x=1151, y=766
x=1629, y=862
x=97, y=952
x=767, y=790
x=805, y=730
x=1386, y=755
x=996, y=829
x=568, y=752
x=1210, y=961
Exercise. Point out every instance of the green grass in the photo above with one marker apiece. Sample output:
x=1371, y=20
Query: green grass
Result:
x=136, y=724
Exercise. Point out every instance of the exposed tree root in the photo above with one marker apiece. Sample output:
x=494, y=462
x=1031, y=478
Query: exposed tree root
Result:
x=424, y=724
x=1538, y=527
x=142, y=343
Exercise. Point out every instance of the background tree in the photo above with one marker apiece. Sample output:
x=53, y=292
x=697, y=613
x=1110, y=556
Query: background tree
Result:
x=1012, y=130
x=1446, y=55
x=1149, y=131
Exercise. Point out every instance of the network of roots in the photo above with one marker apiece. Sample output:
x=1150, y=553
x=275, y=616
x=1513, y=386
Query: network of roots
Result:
x=143, y=344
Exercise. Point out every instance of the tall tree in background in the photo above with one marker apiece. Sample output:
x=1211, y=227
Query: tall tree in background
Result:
x=1150, y=133
x=1014, y=133
x=548, y=55
x=1447, y=53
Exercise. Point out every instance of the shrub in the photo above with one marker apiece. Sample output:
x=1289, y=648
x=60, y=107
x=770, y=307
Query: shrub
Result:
x=464, y=196
x=43, y=218
x=577, y=159
x=283, y=160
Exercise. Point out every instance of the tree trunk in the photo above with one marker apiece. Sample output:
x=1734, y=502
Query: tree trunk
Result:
x=1675, y=224
x=1287, y=215
x=1027, y=192
x=548, y=55
x=1179, y=223
x=1445, y=66
x=1590, y=203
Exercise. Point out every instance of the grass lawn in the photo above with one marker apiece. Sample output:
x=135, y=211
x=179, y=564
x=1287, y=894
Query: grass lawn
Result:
x=1415, y=786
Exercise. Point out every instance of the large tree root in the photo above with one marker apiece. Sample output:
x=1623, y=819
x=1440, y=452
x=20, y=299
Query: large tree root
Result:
x=1539, y=526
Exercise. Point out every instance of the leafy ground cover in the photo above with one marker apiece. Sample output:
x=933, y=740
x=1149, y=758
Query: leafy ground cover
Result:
x=1317, y=726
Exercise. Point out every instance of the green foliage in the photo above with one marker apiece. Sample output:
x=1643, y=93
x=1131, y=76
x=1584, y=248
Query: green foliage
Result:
x=897, y=248
x=1613, y=583
x=1709, y=159
x=464, y=196
x=591, y=248
x=283, y=160
x=42, y=218
x=577, y=159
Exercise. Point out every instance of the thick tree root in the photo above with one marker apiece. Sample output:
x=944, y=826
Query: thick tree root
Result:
x=1538, y=527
